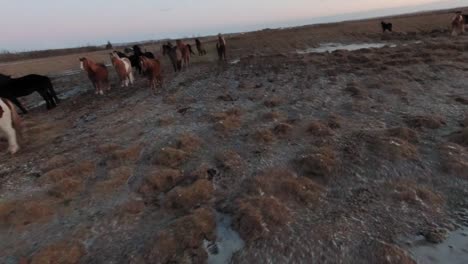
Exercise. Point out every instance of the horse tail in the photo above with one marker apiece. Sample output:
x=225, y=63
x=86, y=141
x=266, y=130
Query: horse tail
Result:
x=190, y=49
x=15, y=119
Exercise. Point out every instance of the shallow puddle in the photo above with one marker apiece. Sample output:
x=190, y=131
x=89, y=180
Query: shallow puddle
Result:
x=330, y=47
x=453, y=250
x=227, y=242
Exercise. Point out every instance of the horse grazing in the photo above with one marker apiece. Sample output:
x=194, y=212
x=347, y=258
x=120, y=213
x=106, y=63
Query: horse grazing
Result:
x=97, y=74
x=152, y=70
x=386, y=26
x=221, y=47
x=185, y=50
x=175, y=56
x=458, y=24
x=200, y=48
x=10, y=124
x=12, y=88
x=123, y=67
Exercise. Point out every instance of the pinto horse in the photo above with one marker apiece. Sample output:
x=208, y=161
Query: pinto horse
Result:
x=97, y=74
x=152, y=70
x=200, y=48
x=386, y=26
x=10, y=124
x=12, y=88
x=458, y=24
x=221, y=47
x=123, y=67
x=175, y=56
x=186, y=50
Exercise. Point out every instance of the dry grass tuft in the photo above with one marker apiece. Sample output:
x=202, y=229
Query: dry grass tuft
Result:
x=380, y=252
x=55, y=162
x=282, y=129
x=264, y=136
x=356, y=91
x=79, y=171
x=454, y=159
x=229, y=160
x=273, y=116
x=415, y=194
x=160, y=180
x=116, y=179
x=403, y=133
x=431, y=122
x=334, y=121
x=107, y=149
x=171, y=157
x=21, y=213
x=228, y=121
x=67, y=188
x=321, y=163
x=319, y=129
x=125, y=157
x=165, y=121
x=182, y=241
x=273, y=102
x=64, y=252
x=257, y=217
x=460, y=137
x=191, y=196
x=189, y=143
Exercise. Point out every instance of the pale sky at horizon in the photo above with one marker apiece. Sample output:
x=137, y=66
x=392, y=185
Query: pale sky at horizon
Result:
x=44, y=24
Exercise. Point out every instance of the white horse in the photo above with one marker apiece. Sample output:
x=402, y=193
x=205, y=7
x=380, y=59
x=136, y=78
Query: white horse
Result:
x=123, y=67
x=458, y=24
x=10, y=124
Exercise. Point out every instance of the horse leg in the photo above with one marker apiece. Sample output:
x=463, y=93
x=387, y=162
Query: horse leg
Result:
x=18, y=104
x=7, y=127
x=131, y=78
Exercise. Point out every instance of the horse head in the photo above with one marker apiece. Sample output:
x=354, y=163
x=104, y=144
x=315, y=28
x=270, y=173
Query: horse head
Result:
x=83, y=63
x=4, y=79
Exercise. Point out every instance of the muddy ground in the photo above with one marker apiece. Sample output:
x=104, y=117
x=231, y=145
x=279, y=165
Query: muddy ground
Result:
x=343, y=157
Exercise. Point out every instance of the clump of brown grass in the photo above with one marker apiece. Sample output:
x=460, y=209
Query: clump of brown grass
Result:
x=160, y=180
x=273, y=102
x=460, y=137
x=334, y=121
x=391, y=148
x=320, y=163
x=264, y=136
x=356, y=91
x=125, y=157
x=165, y=121
x=380, y=252
x=415, y=194
x=55, y=162
x=282, y=129
x=21, y=213
x=80, y=171
x=429, y=121
x=188, y=197
x=171, y=157
x=188, y=143
x=67, y=188
x=65, y=252
x=133, y=207
x=257, y=217
x=273, y=116
x=228, y=121
x=107, y=149
x=229, y=160
x=117, y=178
x=403, y=133
x=319, y=129
x=183, y=240
x=454, y=159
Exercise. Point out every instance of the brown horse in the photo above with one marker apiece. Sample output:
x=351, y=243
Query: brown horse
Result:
x=458, y=24
x=151, y=68
x=97, y=74
x=123, y=67
x=185, y=50
x=221, y=47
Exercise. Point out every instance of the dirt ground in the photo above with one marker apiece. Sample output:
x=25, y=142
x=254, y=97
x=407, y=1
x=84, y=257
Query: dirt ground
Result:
x=343, y=157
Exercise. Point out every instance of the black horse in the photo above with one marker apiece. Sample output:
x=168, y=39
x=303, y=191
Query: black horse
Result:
x=135, y=58
x=12, y=88
x=171, y=51
x=386, y=26
x=121, y=54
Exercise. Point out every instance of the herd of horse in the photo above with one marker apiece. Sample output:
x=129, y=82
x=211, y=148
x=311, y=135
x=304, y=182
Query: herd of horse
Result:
x=144, y=63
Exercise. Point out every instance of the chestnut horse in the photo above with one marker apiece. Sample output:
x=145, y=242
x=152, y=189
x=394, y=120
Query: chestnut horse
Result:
x=200, y=48
x=10, y=124
x=123, y=67
x=186, y=50
x=458, y=24
x=151, y=68
x=221, y=47
x=97, y=74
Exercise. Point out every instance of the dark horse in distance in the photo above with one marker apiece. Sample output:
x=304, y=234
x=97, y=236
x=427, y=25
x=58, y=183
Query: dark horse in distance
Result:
x=386, y=26
x=175, y=56
x=12, y=88
x=200, y=48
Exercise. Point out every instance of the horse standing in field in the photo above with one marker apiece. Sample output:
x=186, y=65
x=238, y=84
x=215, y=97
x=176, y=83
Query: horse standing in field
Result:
x=221, y=47
x=97, y=74
x=135, y=58
x=10, y=124
x=386, y=27
x=12, y=88
x=123, y=67
x=200, y=48
x=186, y=50
x=458, y=24
x=175, y=56
x=152, y=70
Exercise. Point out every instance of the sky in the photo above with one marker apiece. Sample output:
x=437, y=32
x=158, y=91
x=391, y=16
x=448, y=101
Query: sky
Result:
x=49, y=24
